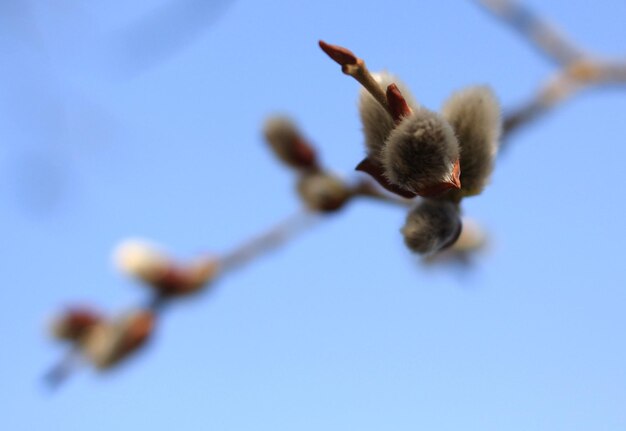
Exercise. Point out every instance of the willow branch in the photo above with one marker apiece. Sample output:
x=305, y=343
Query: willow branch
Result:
x=542, y=35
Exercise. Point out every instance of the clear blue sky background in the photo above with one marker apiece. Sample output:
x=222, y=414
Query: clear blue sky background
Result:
x=126, y=119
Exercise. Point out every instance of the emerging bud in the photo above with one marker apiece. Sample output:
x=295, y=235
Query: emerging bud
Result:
x=421, y=154
x=164, y=275
x=288, y=143
x=377, y=122
x=323, y=192
x=474, y=114
x=107, y=343
x=432, y=226
x=74, y=324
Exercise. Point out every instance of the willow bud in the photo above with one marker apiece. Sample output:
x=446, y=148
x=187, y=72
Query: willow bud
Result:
x=432, y=226
x=108, y=343
x=474, y=114
x=288, y=144
x=421, y=154
x=322, y=191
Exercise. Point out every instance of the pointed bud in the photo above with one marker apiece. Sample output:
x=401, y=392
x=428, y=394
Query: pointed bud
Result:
x=397, y=103
x=432, y=226
x=343, y=56
x=288, y=144
x=323, y=191
x=474, y=114
x=421, y=154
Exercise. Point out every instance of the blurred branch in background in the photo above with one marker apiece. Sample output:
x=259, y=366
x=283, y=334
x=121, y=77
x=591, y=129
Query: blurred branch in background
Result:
x=578, y=69
x=163, y=32
x=321, y=192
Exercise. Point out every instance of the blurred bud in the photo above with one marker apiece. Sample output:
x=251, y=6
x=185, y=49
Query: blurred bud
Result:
x=147, y=263
x=107, y=343
x=473, y=238
x=377, y=122
x=421, y=154
x=186, y=279
x=432, y=226
x=321, y=191
x=474, y=114
x=288, y=143
x=74, y=323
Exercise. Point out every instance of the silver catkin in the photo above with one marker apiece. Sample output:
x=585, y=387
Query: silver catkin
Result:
x=474, y=114
x=420, y=151
x=377, y=123
x=431, y=226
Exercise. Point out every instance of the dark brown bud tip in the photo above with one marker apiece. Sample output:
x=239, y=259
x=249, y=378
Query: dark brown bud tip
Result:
x=397, y=103
x=304, y=154
x=376, y=171
x=340, y=54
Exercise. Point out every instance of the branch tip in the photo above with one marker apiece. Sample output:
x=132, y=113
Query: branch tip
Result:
x=341, y=55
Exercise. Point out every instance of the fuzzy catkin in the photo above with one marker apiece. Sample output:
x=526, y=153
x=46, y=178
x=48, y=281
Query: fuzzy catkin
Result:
x=321, y=191
x=377, y=122
x=420, y=151
x=432, y=226
x=474, y=114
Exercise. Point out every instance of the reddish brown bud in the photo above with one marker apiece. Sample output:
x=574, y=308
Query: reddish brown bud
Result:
x=341, y=55
x=109, y=342
x=454, y=182
x=138, y=328
x=182, y=280
x=397, y=104
x=288, y=144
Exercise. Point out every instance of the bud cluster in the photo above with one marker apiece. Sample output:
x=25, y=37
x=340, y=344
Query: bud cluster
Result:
x=319, y=189
x=413, y=151
x=105, y=342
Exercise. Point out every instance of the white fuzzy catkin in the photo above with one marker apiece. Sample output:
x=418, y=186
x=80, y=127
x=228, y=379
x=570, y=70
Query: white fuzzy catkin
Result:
x=474, y=114
x=377, y=123
x=420, y=151
x=141, y=259
x=432, y=226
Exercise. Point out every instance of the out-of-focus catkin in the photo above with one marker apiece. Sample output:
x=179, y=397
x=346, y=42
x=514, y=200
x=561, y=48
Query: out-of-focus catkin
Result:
x=432, y=226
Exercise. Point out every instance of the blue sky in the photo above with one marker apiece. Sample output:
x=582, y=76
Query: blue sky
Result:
x=110, y=129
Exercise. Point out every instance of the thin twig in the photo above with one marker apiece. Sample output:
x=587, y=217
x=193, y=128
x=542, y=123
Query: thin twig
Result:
x=273, y=238
x=355, y=67
x=542, y=35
